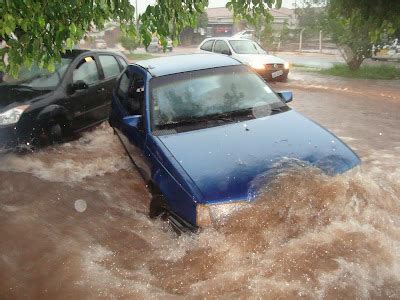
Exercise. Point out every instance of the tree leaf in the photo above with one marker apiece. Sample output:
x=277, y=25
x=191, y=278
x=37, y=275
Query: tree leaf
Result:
x=41, y=22
x=72, y=29
x=51, y=67
x=8, y=30
x=70, y=43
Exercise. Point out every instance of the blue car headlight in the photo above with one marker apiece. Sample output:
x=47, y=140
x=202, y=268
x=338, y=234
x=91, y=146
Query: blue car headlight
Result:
x=209, y=214
x=12, y=115
x=203, y=216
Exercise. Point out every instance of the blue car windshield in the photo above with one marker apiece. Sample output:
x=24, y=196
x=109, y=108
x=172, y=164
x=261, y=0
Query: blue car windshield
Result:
x=203, y=94
x=38, y=78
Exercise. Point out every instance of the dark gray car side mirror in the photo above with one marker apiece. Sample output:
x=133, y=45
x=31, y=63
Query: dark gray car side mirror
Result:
x=80, y=85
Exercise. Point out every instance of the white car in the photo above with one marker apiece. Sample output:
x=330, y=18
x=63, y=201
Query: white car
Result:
x=155, y=45
x=250, y=53
x=101, y=44
x=245, y=34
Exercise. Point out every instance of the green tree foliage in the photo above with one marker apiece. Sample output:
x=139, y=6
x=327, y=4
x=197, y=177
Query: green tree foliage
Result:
x=266, y=32
x=285, y=32
x=128, y=42
x=267, y=35
x=202, y=20
x=311, y=15
x=352, y=36
x=356, y=24
x=381, y=12
x=40, y=30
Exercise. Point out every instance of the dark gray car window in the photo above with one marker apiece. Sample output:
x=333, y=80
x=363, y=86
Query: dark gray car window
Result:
x=221, y=47
x=122, y=61
x=207, y=46
x=110, y=66
x=86, y=71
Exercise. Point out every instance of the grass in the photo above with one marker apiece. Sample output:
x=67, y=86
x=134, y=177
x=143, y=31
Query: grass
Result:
x=304, y=67
x=140, y=56
x=365, y=72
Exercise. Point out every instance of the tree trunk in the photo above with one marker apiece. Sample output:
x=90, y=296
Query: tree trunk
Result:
x=355, y=63
x=353, y=60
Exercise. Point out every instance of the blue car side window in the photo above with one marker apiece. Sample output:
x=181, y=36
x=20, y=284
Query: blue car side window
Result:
x=136, y=96
x=131, y=93
x=123, y=86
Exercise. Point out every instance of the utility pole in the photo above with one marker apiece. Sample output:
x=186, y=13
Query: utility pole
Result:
x=320, y=41
x=301, y=39
x=137, y=17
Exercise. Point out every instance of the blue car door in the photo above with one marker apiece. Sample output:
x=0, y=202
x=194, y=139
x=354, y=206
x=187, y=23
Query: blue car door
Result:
x=128, y=118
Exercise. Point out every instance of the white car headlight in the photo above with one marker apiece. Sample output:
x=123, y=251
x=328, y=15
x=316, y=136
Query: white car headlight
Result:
x=13, y=115
x=257, y=65
x=286, y=65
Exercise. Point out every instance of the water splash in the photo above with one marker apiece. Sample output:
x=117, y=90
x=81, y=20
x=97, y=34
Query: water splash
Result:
x=305, y=235
x=94, y=154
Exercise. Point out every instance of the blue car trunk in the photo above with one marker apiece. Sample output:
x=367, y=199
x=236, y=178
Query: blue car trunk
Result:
x=222, y=161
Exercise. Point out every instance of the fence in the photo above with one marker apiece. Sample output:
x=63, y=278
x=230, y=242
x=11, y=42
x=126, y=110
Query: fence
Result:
x=301, y=40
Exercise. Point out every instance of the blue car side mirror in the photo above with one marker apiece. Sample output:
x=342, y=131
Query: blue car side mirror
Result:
x=286, y=96
x=132, y=121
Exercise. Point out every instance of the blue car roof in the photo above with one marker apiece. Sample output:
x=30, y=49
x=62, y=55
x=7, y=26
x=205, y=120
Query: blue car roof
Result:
x=185, y=63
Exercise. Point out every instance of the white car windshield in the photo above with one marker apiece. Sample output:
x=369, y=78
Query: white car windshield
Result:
x=246, y=47
x=203, y=94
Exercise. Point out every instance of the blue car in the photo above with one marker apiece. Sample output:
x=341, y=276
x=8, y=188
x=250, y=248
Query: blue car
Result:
x=200, y=128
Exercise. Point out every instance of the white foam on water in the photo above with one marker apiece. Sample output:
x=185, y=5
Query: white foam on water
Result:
x=94, y=154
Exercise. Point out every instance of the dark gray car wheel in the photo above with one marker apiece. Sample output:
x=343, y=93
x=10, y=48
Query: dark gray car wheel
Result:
x=55, y=133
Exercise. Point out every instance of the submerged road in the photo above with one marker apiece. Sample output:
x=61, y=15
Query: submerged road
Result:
x=73, y=218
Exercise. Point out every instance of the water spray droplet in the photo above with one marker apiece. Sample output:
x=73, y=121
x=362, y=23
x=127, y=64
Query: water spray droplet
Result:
x=80, y=205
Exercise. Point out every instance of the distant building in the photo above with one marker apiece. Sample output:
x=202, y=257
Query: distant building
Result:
x=221, y=22
x=283, y=15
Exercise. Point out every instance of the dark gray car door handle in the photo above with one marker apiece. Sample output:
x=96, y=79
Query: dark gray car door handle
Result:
x=101, y=90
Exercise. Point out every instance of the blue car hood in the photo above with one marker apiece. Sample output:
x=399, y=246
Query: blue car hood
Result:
x=222, y=161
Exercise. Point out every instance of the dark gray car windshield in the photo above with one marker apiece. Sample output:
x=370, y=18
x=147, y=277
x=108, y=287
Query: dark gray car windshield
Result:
x=38, y=78
x=246, y=47
x=203, y=94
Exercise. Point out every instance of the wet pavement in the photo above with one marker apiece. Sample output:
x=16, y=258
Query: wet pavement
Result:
x=74, y=224
x=324, y=60
x=312, y=60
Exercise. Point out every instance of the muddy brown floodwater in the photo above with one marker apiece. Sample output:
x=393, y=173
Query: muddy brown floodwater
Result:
x=73, y=218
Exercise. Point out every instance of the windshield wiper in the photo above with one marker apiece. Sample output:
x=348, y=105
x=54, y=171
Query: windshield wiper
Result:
x=225, y=117
x=20, y=87
x=277, y=109
x=197, y=120
x=26, y=87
